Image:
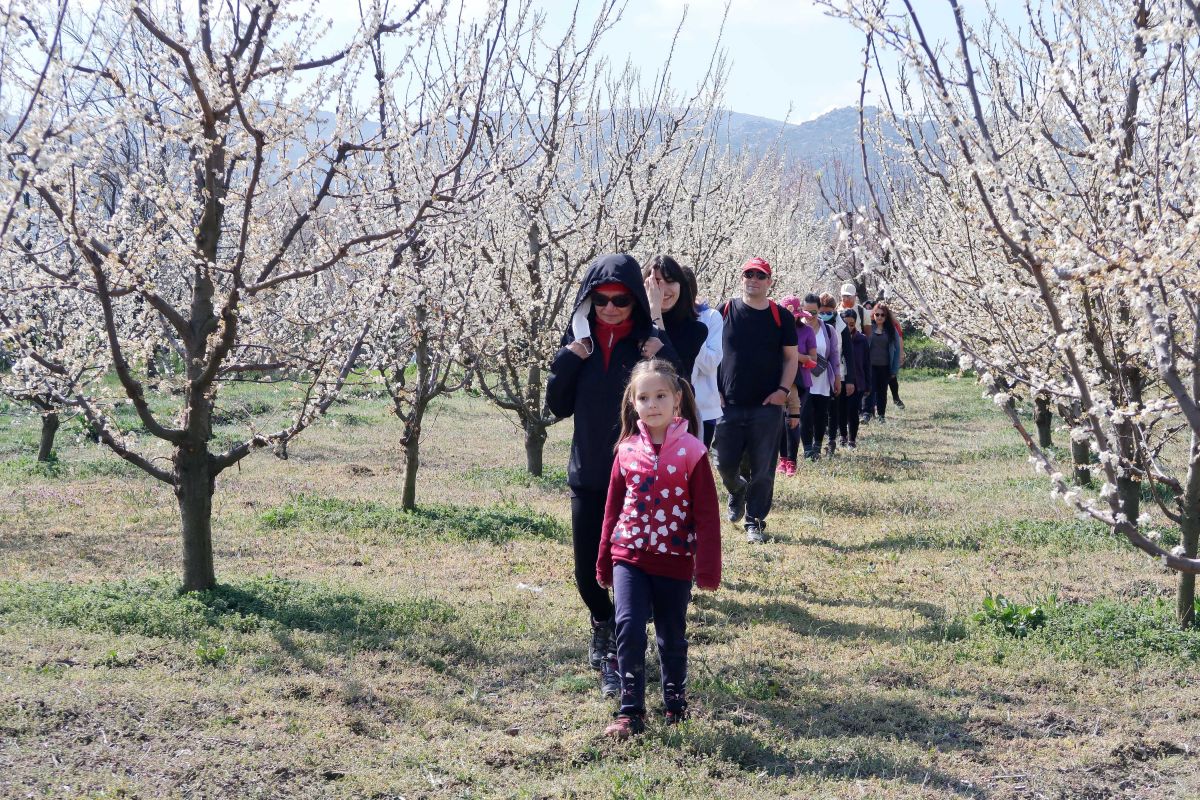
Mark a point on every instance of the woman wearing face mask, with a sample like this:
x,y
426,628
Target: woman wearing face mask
x,y
610,331
824,382
673,308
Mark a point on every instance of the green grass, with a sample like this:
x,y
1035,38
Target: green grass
x,y
156,608
101,463
497,524
1107,633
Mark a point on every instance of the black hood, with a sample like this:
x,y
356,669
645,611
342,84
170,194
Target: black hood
x,y
615,267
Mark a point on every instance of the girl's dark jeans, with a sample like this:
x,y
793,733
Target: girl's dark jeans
x,y
636,593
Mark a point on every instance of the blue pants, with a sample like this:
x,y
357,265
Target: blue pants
x,y
751,431
636,593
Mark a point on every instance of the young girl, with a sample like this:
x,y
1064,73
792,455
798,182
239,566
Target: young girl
x,y
662,527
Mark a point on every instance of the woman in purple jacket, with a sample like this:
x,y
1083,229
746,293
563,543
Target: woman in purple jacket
x,y
806,346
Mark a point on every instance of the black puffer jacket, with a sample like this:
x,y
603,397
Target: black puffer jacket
x,y
584,388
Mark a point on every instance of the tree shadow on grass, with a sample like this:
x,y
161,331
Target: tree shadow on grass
x,y
896,542
935,628
306,619
857,507
837,739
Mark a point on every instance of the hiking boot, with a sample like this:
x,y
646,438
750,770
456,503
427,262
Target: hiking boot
x,y
625,726
610,677
736,507
756,531
672,717
603,643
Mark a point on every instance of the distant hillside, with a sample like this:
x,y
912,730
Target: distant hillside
x,y
833,135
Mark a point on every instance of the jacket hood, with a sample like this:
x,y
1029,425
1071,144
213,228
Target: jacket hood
x,y
618,267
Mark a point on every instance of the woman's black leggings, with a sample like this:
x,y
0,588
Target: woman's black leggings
x,y
814,420
894,383
587,518
879,387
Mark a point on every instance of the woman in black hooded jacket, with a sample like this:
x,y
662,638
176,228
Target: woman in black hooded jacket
x,y
587,380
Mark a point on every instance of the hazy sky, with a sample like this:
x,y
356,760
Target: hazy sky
x,y
788,59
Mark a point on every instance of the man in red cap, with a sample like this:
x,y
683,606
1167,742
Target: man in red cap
x,y
758,368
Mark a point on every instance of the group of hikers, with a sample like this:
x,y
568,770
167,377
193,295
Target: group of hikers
x,y
654,377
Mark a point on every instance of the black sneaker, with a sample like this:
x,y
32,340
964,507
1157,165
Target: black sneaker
x,y
899,403
602,644
671,717
610,677
736,507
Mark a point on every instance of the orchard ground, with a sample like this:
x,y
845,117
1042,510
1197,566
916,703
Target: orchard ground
x,y
353,650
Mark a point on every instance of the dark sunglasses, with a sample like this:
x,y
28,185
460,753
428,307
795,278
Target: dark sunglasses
x,y
755,274
618,300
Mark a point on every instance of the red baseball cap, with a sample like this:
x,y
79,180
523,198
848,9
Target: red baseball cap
x,y
757,263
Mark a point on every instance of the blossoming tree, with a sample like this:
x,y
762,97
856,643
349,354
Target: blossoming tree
x,y
1049,232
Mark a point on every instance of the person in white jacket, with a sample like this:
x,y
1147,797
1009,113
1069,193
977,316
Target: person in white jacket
x,y
704,372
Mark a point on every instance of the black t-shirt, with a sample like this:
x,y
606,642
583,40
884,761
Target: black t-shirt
x,y
752,352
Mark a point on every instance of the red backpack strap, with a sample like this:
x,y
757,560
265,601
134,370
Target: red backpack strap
x,y
725,309
775,314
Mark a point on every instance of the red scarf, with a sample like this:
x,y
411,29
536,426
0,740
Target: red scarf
x,y
608,335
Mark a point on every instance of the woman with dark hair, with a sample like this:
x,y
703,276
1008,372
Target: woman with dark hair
x,y
677,310
884,344
610,331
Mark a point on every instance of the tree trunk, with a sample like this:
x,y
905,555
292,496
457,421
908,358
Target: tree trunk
x,y
194,484
535,428
1081,456
49,429
1189,529
412,462
535,443
1129,487
1044,419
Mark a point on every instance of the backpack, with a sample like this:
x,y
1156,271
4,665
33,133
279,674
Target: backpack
x,y
774,312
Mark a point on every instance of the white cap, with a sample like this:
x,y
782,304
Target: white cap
x,y
849,288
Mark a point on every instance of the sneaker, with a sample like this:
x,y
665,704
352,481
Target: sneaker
x,y
782,468
602,644
625,726
843,442
610,677
756,531
881,419
830,449
674,717
899,403
852,444
791,468
736,508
